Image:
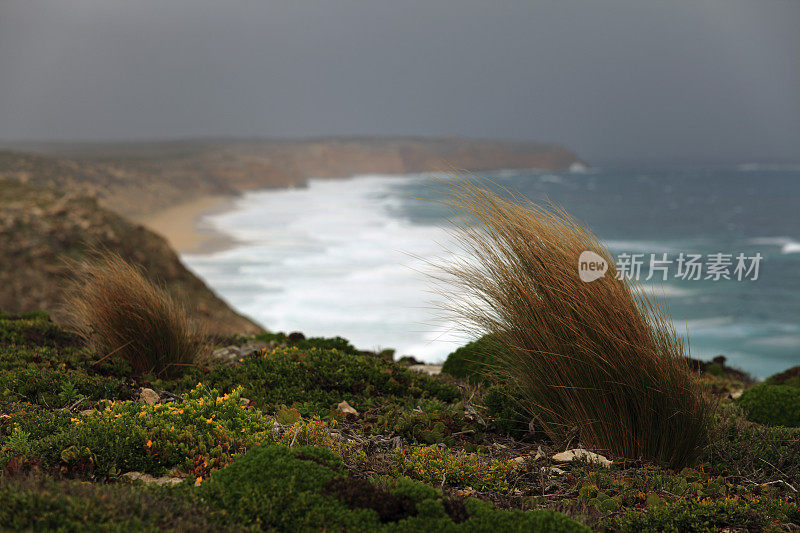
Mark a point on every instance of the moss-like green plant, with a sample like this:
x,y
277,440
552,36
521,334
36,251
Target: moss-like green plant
x,y
759,514
474,361
307,488
772,405
41,504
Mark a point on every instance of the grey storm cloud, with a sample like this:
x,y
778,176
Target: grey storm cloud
x,y
613,79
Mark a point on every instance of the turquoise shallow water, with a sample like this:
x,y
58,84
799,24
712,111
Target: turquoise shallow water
x,y
342,258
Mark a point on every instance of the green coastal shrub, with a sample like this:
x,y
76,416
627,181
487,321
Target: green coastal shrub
x,y
772,405
60,388
315,381
281,488
197,435
428,421
34,329
323,343
41,363
306,488
759,453
32,503
759,514
473,362
505,412
789,377
437,466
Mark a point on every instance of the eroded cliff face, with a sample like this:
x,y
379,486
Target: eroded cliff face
x,y
133,179
41,229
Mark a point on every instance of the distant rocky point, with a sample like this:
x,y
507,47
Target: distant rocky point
x,y
136,178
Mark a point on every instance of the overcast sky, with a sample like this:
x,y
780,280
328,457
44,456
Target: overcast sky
x,y
612,79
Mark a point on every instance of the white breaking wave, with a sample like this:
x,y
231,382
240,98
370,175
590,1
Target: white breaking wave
x,y
578,168
659,290
330,260
643,247
787,245
760,167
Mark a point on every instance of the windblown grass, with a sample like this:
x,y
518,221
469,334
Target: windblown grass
x,y
595,361
118,310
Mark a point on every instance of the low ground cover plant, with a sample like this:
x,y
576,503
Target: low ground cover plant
x,y
423,454
772,405
39,503
474,361
316,380
308,488
202,432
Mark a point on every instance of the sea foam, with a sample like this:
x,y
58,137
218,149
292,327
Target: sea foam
x,y
330,259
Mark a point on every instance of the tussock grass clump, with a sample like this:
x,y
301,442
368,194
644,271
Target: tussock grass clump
x,y
597,361
118,310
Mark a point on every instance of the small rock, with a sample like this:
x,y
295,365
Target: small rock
x,y
147,478
229,354
580,453
554,471
149,396
233,354
346,409
518,460
87,412
251,347
431,370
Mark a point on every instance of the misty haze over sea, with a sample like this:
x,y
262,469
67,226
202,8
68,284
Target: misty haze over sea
x,y
338,257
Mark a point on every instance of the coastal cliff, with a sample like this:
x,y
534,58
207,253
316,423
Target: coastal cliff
x,y
41,229
135,179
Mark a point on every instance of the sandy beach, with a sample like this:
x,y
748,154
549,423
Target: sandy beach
x,y
179,224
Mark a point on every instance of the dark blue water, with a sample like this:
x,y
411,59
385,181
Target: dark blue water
x,y
749,210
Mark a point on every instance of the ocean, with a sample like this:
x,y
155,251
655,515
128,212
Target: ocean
x,y
347,257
